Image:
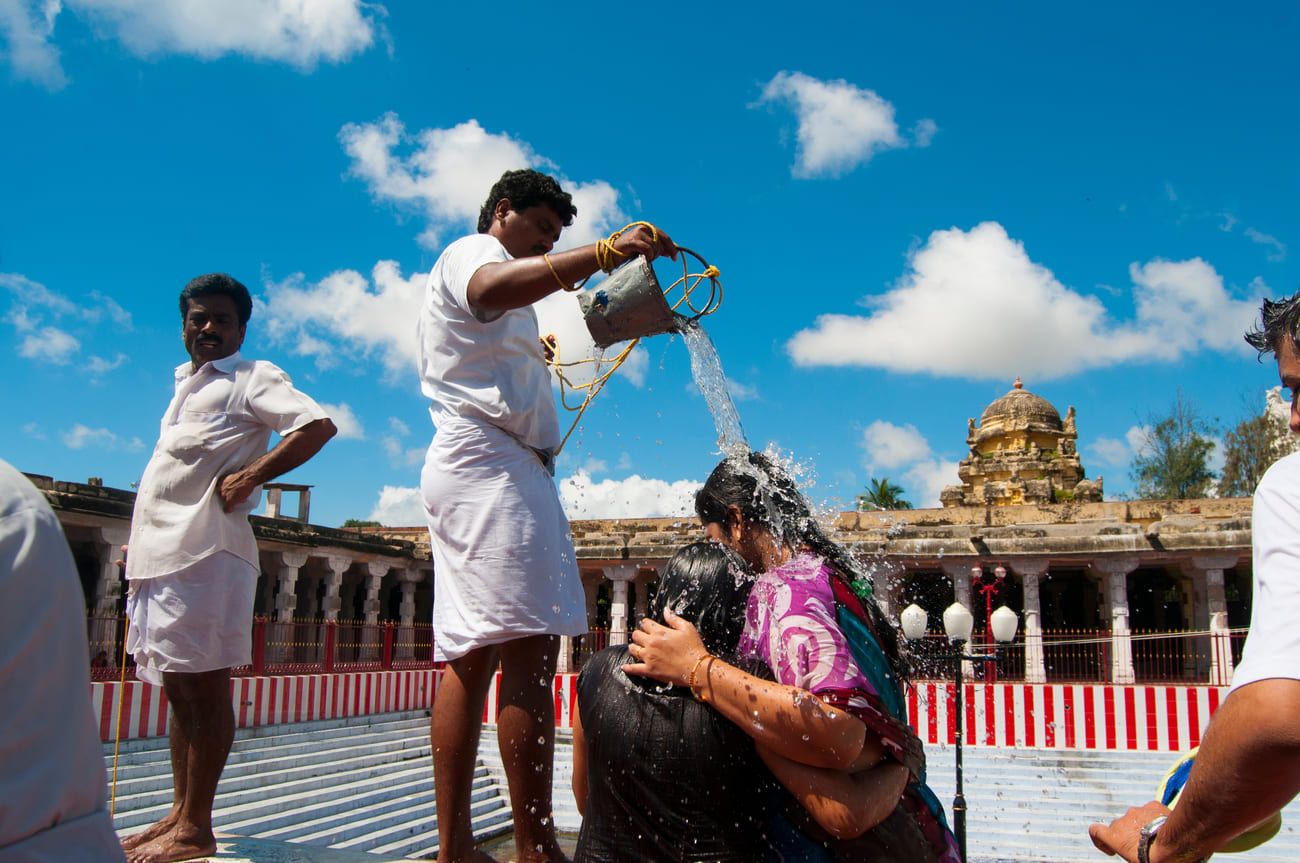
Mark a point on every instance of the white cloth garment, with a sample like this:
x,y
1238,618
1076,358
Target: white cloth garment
x,y
1273,645
219,420
503,559
198,619
53,791
483,366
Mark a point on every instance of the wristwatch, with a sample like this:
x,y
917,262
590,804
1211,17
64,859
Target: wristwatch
x,y
1146,836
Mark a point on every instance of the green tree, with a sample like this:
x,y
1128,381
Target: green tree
x,y
883,494
1174,460
361,522
1253,446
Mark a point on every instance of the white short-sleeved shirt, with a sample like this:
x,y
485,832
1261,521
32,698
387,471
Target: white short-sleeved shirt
x,y
478,366
1273,646
53,795
219,420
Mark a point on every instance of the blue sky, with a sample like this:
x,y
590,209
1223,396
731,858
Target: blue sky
x,y
909,209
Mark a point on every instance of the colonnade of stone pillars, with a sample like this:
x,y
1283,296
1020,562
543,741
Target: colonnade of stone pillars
x,y
619,575
1114,572
285,572
1031,572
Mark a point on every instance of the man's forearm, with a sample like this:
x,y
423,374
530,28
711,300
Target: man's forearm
x,y
292,451
523,281
1247,769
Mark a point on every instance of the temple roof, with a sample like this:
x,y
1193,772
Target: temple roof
x,y
1020,409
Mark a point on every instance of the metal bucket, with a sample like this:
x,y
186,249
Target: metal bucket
x,y
627,305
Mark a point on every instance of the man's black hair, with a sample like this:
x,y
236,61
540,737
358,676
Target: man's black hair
x,y
218,283
524,189
1279,319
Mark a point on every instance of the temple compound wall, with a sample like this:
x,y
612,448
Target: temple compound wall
x,y
1111,573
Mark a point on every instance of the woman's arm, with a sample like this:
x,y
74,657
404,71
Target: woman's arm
x,y
579,763
789,721
846,805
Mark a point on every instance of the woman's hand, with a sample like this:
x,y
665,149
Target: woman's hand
x,y
665,653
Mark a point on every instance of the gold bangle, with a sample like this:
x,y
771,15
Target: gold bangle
x,y
558,280
690,678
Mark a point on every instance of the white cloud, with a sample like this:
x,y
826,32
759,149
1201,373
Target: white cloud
x,y
398,427
841,126
964,288
448,173
33,304
99,366
1276,248
398,506
26,28
1110,451
81,436
887,446
926,479
634,497
34,431
49,344
345,316
1137,438
345,420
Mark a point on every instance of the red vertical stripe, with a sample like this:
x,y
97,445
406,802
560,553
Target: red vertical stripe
x,y
124,714
1214,700
1030,736
1193,717
990,717
259,699
1049,717
1153,725
1108,698
969,705
1130,718
1067,716
1090,717
106,711
912,717
1171,706
146,698
272,683
932,713
1009,713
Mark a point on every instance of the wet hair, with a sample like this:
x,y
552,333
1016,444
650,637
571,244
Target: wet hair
x,y
218,283
1279,319
767,497
524,189
708,585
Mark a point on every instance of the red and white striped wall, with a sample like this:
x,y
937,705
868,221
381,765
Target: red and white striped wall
x,y
1064,716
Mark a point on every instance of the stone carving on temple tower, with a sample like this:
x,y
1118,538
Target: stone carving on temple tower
x,y
1021,452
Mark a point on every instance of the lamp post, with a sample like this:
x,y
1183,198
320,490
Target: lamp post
x,y
957,625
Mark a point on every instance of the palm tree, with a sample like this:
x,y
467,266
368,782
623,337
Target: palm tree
x,y
883,494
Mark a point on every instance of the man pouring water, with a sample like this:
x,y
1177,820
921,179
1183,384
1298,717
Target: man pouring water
x,y
506,582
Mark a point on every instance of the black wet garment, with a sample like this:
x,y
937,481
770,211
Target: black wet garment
x,y
668,777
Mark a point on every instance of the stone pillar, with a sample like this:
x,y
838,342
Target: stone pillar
x,y
1114,572
405,648
273,502
619,574
105,630
286,602
333,582
372,637
1031,570
1221,666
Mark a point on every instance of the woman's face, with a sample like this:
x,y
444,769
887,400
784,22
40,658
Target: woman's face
x,y
751,542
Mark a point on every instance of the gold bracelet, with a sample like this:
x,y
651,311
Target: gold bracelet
x,y
690,678
558,280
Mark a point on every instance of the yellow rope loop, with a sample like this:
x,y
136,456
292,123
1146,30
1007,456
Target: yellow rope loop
x,y
690,282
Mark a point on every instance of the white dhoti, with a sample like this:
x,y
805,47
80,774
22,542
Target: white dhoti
x,y
198,619
503,559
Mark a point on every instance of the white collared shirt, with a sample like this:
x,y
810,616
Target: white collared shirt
x,y
479,366
219,420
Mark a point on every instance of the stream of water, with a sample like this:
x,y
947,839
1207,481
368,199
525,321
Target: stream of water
x,y
707,370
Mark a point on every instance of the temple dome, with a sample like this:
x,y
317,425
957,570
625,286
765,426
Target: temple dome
x,y
1019,410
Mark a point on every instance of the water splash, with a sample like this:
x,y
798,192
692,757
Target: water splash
x,y
707,370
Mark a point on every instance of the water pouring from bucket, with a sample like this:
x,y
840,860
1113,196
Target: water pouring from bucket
x,y
630,305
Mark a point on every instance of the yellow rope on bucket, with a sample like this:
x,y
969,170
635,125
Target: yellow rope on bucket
x,y
689,283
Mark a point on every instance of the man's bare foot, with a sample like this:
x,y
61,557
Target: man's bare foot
x,y
150,833
180,844
475,856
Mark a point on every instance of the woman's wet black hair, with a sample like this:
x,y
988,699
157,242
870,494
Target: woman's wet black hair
x,y
708,585
767,496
